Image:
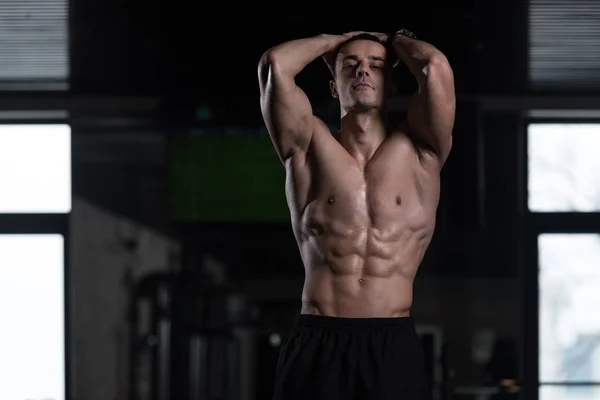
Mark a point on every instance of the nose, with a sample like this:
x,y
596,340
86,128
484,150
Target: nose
x,y
362,70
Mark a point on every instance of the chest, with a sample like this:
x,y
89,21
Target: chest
x,y
378,196
333,189
348,201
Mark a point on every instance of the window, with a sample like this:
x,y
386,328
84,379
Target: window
x,y
34,42
569,278
32,308
563,197
35,169
564,167
563,45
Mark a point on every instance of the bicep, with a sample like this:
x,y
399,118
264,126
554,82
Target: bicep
x,y
431,111
286,111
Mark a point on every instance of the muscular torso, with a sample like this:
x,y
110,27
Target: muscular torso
x,y
362,230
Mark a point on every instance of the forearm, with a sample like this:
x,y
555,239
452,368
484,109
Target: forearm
x,y
431,109
418,56
293,56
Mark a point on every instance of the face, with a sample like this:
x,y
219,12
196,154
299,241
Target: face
x,y
363,77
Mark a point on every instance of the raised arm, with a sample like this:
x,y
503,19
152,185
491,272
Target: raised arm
x,y
285,108
431,110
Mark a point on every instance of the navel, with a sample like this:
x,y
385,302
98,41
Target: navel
x,y
398,200
361,281
331,200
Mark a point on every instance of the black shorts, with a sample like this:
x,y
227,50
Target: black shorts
x,y
351,359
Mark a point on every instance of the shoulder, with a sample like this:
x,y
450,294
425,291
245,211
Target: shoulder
x,y
423,157
320,126
321,132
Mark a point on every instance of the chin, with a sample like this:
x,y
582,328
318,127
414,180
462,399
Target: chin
x,y
363,104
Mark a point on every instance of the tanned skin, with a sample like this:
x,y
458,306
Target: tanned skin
x,y
363,200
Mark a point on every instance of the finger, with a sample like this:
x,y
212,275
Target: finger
x,y
354,33
378,34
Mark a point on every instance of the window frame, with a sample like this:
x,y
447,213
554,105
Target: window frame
x,y
40,223
533,224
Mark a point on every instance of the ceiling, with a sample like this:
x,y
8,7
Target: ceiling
x,y
190,58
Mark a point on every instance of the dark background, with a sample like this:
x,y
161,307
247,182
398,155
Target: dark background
x,y
163,103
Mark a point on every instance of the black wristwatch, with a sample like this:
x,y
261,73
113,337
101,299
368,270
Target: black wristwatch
x,y
405,32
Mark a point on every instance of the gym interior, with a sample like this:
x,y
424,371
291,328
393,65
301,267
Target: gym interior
x,y
146,251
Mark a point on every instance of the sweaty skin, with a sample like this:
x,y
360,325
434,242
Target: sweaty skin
x,y
362,231
363,200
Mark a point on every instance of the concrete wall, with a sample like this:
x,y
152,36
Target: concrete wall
x,y
101,265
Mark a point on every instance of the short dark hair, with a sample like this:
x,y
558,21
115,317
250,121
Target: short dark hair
x,y
365,36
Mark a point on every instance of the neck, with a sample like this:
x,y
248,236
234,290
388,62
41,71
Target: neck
x,y
362,132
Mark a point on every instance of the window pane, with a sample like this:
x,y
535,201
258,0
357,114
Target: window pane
x,y
34,41
562,45
569,283
564,167
569,392
35,168
32,363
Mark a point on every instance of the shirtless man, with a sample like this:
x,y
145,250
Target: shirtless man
x,y
363,205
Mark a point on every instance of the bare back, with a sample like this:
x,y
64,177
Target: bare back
x,y
362,232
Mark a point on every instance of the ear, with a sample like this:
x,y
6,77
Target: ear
x,y
333,88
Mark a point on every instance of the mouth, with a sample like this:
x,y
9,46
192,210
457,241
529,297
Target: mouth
x,y
362,85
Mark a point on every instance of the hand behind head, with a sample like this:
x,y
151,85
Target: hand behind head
x,y
330,56
329,59
381,36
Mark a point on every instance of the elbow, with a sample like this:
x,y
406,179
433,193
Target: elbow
x,y
437,77
265,62
439,59
435,64
438,67
271,69
430,66
266,59
269,59
273,62
265,67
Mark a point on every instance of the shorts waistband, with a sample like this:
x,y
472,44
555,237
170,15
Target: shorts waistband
x,y
326,322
